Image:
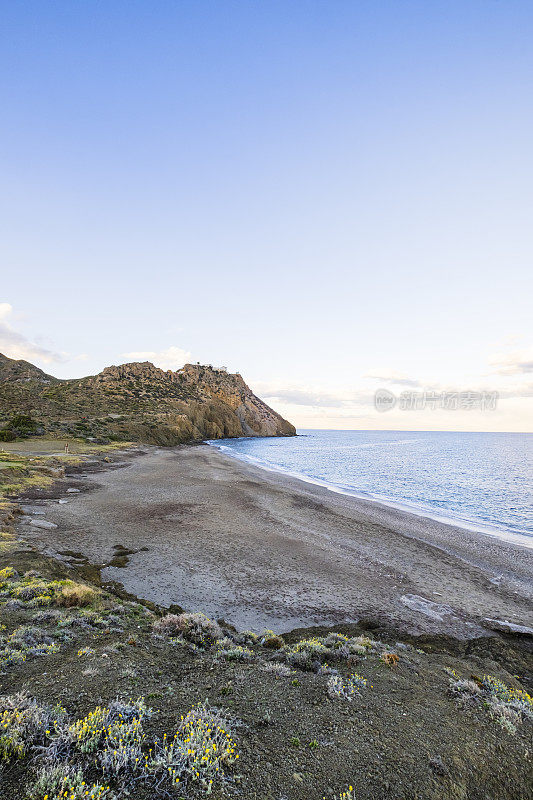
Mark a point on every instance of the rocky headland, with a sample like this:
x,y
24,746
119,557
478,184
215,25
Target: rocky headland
x,y
138,402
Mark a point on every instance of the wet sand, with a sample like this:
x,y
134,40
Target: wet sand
x,y
262,549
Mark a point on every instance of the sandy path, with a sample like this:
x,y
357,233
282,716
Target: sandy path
x,y
266,550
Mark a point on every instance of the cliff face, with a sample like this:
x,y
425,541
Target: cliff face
x,y
139,401
255,417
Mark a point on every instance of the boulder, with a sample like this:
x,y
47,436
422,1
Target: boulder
x,y
43,523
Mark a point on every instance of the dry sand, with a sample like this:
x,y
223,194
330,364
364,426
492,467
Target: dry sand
x,y
261,549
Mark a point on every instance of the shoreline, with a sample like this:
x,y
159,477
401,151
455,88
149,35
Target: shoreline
x,y
209,532
522,539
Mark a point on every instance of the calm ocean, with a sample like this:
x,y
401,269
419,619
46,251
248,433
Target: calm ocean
x,y
477,480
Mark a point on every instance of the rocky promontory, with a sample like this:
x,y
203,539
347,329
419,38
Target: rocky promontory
x,y
139,401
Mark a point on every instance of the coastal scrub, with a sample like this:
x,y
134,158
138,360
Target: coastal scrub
x,y
508,706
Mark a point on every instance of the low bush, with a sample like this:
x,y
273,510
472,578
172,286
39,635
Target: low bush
x,y
122,753
22,722
195,628
310,654
233,652
76,594
506,705
6,574
28,636
63,781
246,637
390,659
24,642
345,688
277,668
506,716
200,750
35,591
467,690
271,640
169,625
104,723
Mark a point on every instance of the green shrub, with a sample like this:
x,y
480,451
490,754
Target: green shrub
x,y
104,723
64,781
195,628
273,642
200,750
308,654
234,652
345,688
20,425
506,705
76,594
22,720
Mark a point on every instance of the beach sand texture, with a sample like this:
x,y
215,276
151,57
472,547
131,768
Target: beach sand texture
x,y
265,550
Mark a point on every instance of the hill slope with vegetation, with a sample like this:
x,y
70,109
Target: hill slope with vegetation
x,y
136,401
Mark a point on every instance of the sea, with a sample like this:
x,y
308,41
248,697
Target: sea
x,y
479,481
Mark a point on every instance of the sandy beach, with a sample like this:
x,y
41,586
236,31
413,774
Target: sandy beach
x,y
193,527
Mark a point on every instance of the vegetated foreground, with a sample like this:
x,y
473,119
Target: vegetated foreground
x,y
103,697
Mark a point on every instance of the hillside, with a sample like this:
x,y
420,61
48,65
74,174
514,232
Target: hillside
x,y
138,401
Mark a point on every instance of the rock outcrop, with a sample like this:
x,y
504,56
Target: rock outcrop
x,y
140,402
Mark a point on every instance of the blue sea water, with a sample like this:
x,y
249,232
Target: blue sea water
x,y
482,481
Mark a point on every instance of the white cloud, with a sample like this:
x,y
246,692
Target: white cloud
x,y
393,377
517,391
517,362
301,397
311,397
171,358
15,345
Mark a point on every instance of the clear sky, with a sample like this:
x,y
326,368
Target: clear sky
x,y
330,197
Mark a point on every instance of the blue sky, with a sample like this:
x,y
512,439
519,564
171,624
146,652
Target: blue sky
x,y
330,197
